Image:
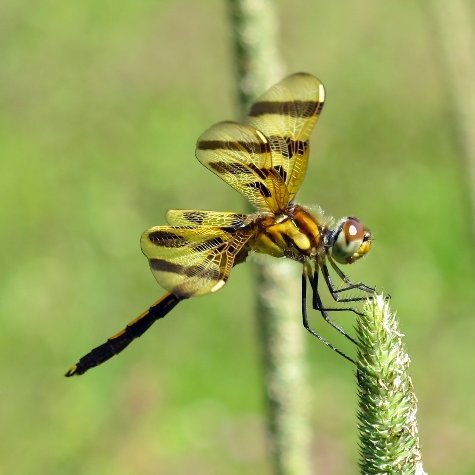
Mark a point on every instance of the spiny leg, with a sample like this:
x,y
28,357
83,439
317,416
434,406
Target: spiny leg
x,y
335,292
307,325
318,305
336,297
118,342
350,285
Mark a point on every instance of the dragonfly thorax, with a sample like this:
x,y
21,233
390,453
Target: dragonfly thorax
x,y
295,234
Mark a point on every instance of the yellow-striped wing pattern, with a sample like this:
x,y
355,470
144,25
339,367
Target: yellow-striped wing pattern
x,y
242,157
266,160
286,114
193,261
198,218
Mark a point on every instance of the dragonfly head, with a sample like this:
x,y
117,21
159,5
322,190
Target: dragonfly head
x,y
349,241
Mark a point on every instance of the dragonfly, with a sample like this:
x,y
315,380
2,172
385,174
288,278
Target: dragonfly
x,y
265,160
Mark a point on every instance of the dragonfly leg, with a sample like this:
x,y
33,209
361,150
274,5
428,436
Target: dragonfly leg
x,y
350,285
307,325
318,305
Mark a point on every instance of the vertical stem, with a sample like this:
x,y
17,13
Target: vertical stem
x,y
258,66
454,33
282,334
389,441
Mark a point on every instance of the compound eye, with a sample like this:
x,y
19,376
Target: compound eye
x,y
351,242
353,230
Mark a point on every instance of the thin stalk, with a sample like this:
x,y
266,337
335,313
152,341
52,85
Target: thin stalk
x,y
258,66
454,40
389,441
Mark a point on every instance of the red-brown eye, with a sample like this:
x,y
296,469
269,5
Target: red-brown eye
x,y
351,241
353,230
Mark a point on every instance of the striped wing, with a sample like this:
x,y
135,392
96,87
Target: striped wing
x,y
286,114
242,157
198,218
193,261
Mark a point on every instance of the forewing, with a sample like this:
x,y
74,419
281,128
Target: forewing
x,y
199,218
189,262
242,157
286,114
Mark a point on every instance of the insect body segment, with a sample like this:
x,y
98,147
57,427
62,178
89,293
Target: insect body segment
x,y
118,342
294,234
265,160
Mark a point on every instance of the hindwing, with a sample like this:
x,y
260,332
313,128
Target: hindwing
x,y
193,261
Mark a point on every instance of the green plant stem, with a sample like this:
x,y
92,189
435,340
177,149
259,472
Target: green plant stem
x,y
258,66
389,442
454,39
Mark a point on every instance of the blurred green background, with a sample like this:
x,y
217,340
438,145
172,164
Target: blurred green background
x,y
100,107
